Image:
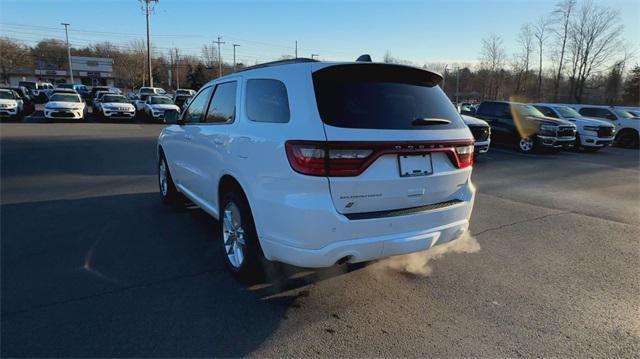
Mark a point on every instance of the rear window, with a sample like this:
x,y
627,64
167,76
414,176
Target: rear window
x,y
267,101
377,96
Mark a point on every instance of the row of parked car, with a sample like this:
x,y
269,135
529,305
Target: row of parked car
x,y
551,125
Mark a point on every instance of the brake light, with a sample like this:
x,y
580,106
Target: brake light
x,y
325,158
465,156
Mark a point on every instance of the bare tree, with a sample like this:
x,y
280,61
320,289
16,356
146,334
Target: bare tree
x,y
12,56
595,40
540,33
525,43
561,18
492,58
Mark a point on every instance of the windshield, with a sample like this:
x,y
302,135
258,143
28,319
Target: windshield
x,y
4,95
161,101
623,113
382,97
567,112
64,98
65,86
528,110
146,90
114,99
183,92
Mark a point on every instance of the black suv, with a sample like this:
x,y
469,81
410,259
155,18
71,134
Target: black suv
x,y
523,125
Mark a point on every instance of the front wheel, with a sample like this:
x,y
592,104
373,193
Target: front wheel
x,y
526,145
240,247
627,139
168,191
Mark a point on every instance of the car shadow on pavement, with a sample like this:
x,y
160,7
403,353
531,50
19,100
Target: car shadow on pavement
x,y
124,275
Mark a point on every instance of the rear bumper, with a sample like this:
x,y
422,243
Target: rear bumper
x,y
312,234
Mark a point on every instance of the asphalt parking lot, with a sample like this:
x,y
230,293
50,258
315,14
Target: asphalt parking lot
x,y
94,265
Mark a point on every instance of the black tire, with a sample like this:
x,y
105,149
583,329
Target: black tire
x,y
627,139
531,148
169,194
252,267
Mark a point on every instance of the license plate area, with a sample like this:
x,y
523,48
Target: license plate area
x,y
415,165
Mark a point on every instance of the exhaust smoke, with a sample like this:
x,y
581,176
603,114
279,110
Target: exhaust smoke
x,y
418,263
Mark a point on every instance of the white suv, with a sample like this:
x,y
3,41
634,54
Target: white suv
x,y
313,163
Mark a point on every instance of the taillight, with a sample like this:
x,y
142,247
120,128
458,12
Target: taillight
x,y
465,156
322,158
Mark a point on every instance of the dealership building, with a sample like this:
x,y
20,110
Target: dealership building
x,y
91,71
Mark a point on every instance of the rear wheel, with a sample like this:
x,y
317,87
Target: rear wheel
x,y
526,145
240,247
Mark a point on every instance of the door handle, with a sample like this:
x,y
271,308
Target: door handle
x,y
188,137
218,141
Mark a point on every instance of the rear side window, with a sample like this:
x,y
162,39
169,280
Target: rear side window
x,y
195,112
267,101
381,96
223,104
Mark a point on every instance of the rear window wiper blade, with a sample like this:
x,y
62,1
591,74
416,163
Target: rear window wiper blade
x,y
430,121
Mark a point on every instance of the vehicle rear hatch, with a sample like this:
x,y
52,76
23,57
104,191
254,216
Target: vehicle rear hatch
x,y
394,140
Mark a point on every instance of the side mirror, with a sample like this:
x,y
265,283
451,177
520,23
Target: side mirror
x,y
171,117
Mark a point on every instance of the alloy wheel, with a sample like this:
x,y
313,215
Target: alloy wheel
x,y
233,235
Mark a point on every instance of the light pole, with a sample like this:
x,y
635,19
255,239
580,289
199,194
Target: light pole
x,y
66,34
219,55
234,56
147,11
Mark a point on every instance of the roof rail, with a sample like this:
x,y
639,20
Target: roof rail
x,y
278,63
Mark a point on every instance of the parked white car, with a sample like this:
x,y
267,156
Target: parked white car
x,y
10,104
155,106
65,105
481,133
313,163
116,107
592,134
627,126
185,92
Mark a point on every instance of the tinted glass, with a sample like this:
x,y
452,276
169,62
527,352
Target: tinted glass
x,y
6,95
65,86
381,96
267,101
65,98
567,112
223,104
147,90
623,113
486,109
195,111
161,101
546,111
114,99
528,110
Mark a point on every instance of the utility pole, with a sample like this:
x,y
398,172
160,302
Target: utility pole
x,y
444,78
66,33
296,49
177,70
234,56
219,54
147,11
313,56
457,84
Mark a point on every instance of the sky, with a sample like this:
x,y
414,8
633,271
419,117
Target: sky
x,y
416,31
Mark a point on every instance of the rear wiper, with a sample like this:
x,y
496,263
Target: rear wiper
x,y
430,121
